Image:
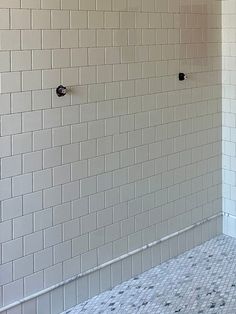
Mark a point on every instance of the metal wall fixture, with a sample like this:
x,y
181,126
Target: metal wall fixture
x,y
61,91
182,76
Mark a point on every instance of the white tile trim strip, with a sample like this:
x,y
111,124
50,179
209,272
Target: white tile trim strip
x,y
122,257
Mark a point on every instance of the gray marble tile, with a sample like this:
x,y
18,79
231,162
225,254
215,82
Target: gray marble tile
x,y
201,281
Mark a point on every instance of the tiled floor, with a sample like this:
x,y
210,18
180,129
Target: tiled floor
x,y
202,280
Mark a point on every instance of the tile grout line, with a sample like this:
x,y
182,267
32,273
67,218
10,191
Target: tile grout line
x,y
97,268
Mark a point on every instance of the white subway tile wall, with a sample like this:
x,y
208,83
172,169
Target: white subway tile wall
x,y
229,122
129,156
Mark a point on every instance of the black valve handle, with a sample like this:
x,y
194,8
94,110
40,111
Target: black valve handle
x,y
61,91
182,76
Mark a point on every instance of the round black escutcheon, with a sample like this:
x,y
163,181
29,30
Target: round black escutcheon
x,y
61,91
182,76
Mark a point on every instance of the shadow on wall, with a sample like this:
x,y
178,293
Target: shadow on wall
x,y
195,37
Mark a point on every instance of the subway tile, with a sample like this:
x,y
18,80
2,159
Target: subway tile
x,y
5,61
22,143
57,300
50,78
21,102
62,252
12,250
22,184
90,176
6,231
43,219
12,208
5,19
60,19
50,4
51,39
11,4
53,274
20,18
41,19
41,59
71,4
69,38
10,40
30,4
11,124
23,267
13,291
6,271
11,166
78,19
31,39
60,58
10,82
31,80
33,283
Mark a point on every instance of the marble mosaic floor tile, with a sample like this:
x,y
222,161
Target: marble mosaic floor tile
x,y
201,281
